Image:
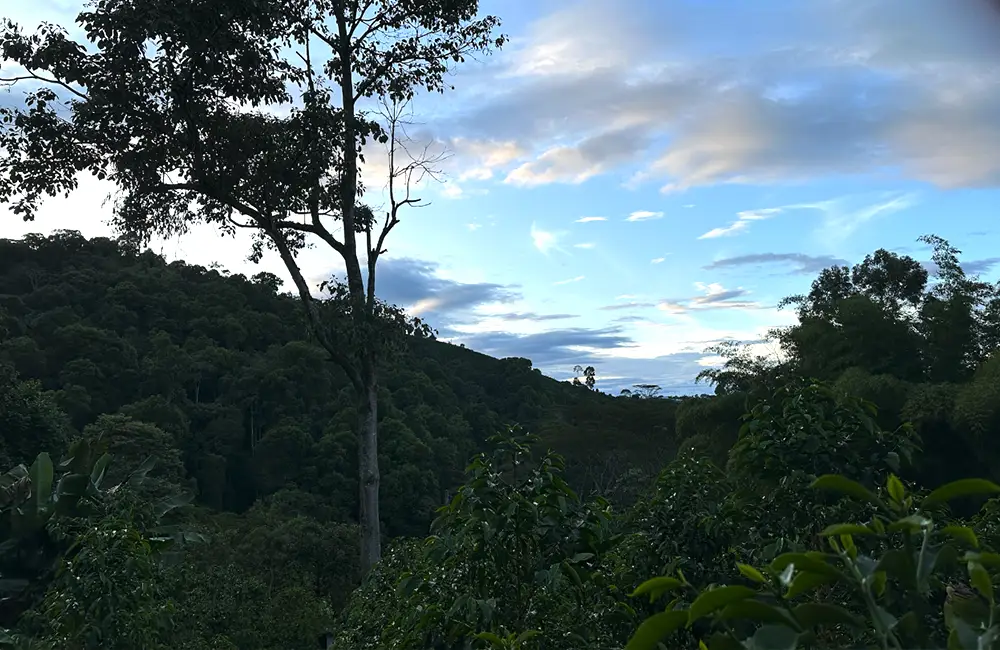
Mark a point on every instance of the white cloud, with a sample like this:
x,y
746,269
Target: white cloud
x,y
543,240
586,245
799,91
843,216
477,159
643,215
657,260
590,219
591,156
570,280
743,221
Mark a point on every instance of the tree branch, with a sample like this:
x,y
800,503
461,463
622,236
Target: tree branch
x,y
38,77
309,303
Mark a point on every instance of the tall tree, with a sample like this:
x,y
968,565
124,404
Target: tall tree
x,y
242,114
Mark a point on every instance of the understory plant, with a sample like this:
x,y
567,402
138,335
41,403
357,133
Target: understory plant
x,y
913,578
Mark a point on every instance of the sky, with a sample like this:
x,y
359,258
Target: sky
x,y
629,182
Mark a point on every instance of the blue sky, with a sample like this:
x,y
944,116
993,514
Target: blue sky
x,y
631,181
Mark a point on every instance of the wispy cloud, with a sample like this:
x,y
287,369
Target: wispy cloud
x,y
643,215
584,245
743,221
657,260
802,263
544,240
570,280
714,296
843,216
590,219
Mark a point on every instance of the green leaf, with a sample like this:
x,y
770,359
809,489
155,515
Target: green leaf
x,y
910,523
494,640
774,637
812,562
813,614
805,582
962,533
100,468
751,609
844,485
751,573
656,587
656,628
846,529
966,487
980,579
40,475
580,557
895,488
714,599
984,558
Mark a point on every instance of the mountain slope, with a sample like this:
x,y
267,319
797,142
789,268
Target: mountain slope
x,y
224,365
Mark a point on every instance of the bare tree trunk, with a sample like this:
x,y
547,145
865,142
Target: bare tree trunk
x,y
368,473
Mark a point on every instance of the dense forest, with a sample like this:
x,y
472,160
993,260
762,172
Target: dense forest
x,y
232,523
199,461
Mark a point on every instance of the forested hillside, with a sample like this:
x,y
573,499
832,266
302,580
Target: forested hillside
x,y
206,391
224,366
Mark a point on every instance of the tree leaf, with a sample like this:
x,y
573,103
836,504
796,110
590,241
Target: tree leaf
x,y
774,637
980,579
41,482
714,599
966,487
656,587
962,533
895,488
751,573
656,628
846,529
806,581
751,609
844,485
813,614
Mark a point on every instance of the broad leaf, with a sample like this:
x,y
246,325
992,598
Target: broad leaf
x,y
966,487
714,599
656,628
844,485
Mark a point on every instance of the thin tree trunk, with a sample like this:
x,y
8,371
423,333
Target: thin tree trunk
x,y
368,473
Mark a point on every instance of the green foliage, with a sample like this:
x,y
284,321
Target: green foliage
x,y
516,549
108,590
29,419
896,566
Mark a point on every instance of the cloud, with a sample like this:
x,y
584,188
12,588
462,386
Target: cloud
x,y
980,267
584,245
628,305
801,263
590,219
575,164
715,297
741,224
845,215
745,95
415,285
657,260
548,348
570,280
972,267
532,316
544,240
644,215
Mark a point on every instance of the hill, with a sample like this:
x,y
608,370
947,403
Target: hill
x,y
224,365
